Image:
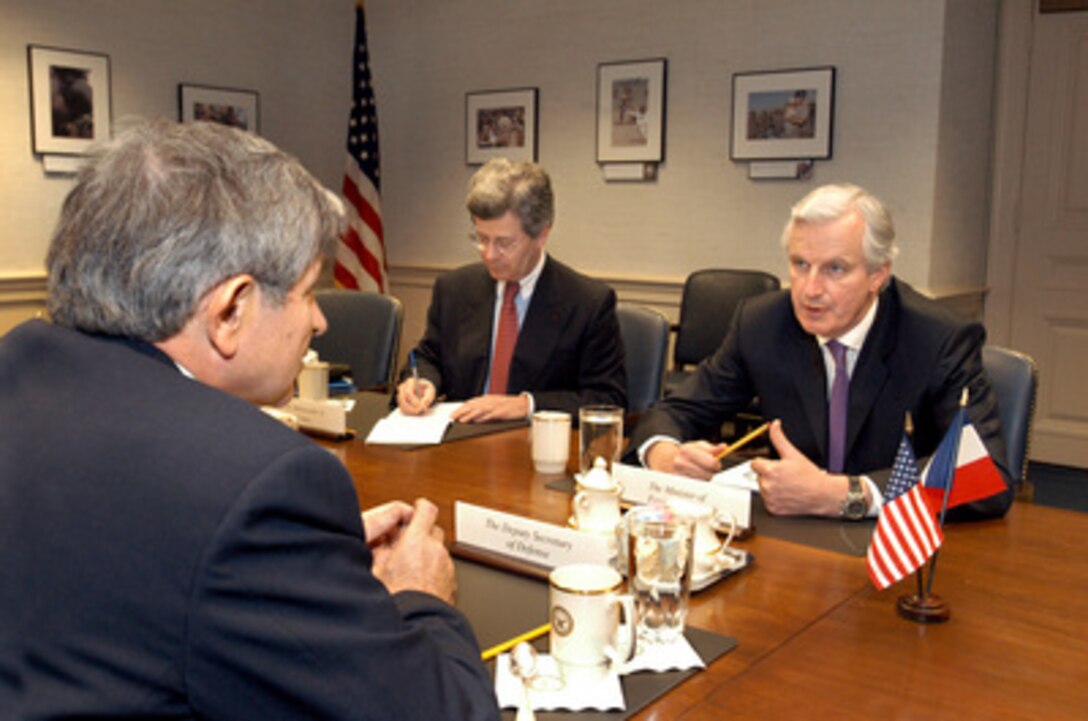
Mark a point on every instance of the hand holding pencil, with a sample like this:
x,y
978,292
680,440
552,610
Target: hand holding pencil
x,y
748,438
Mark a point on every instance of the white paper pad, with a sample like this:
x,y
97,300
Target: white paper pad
x,y
401,429
660,657
604,695
741,476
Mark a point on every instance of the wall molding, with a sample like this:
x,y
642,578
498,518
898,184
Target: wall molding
x,y
22,296
663,293
22,288
412,285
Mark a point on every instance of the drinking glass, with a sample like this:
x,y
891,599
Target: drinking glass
x,y
600,435
659,570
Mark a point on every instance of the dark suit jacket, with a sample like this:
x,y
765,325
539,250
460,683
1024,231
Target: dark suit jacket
x,y
917,357
167,550
568,353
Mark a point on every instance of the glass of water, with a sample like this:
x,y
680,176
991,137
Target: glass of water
x,y
600,434
659,569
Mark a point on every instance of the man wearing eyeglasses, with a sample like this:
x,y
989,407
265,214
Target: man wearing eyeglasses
x,y
518,331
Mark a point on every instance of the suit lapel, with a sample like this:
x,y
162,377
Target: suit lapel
x,y
871,371
806,369
540,332
475,327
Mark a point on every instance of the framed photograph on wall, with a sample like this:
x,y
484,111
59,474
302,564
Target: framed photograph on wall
x,y
227,106
500,123
783,115
631,111
69,99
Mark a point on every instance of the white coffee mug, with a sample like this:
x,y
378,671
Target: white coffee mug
x,y
313,381
550,438
593,622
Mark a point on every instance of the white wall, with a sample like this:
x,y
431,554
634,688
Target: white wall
x,y
912,116
961,191
702,211
295,53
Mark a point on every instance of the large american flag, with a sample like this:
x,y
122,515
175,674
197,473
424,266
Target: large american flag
x,y
360,256
906,533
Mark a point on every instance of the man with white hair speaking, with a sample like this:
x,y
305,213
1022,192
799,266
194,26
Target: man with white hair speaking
x,y
837,360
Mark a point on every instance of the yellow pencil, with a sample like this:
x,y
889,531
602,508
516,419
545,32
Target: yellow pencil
x,y
744,441
507,645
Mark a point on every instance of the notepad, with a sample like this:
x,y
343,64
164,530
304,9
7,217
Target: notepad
x,y
739,476
400,429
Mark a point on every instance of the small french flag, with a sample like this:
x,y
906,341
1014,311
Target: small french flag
x,y
975,476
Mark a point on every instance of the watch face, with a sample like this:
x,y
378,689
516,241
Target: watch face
x,y
855,508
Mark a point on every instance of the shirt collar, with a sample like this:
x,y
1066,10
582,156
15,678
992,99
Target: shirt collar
x,y
854,338
528,283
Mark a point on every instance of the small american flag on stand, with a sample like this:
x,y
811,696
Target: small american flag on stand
x,y
906,533
360,256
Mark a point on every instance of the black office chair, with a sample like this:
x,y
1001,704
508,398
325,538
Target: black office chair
x,y
363,333
1014,378
645,334
706,308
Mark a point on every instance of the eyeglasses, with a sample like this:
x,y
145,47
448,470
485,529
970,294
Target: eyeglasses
x,y
501,244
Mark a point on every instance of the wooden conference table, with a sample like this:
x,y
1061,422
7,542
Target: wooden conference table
x,y
816,640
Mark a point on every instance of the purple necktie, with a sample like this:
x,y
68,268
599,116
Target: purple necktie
x,y
836,411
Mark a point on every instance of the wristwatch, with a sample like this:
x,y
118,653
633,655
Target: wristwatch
x,y
854,506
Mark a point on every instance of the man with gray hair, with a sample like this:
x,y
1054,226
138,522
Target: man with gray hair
x,y
168,550
519,331
837,360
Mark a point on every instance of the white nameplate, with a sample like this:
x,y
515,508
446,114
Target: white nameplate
x,y
641,485
326,416
544,544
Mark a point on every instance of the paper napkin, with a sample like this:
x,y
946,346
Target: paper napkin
x,y
659,657
601,694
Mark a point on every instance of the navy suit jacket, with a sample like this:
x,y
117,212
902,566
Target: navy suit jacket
x,y
917,357
569,352
169,551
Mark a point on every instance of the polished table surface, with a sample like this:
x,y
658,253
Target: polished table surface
x,y
816,640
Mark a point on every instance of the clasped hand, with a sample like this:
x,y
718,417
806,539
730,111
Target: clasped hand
x,y
407,545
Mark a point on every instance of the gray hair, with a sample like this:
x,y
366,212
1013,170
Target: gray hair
x,y
164,212
831,202
524,188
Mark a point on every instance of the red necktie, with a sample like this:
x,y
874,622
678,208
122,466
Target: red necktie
x,y
505,340
836,426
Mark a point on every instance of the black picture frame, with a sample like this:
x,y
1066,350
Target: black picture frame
x,y
226,106
70,99
783,114
501,123
631,100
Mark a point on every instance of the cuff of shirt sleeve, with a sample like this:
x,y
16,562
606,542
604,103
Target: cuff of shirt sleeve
x,y
876,500
645,447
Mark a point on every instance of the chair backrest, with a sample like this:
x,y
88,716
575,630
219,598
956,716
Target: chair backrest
x,y
364,332
1014,378
645,334
706,308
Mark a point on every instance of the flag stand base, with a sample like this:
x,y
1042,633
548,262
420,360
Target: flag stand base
x,y
923,609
